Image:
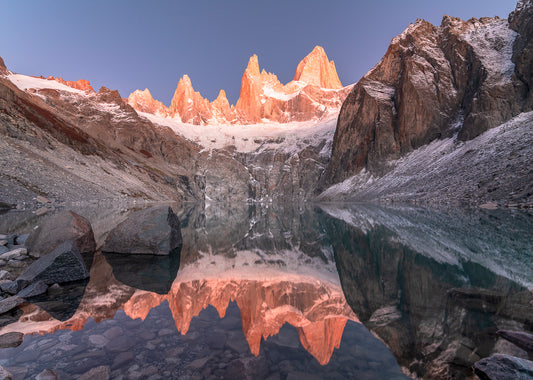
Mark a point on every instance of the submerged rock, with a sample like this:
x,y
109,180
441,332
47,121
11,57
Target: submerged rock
x,y
12,339
503,367
62,227
63,264
5,374
154,231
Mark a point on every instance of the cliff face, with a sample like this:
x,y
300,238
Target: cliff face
x,y
461,78
315,92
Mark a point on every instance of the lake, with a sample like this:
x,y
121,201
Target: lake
x,y
288,291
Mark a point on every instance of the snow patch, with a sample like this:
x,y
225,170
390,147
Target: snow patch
x,y
25,82
493,44
287,137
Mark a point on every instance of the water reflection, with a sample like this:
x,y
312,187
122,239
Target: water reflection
x,y
429,284
258,292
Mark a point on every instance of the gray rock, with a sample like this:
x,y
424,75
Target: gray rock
x,y
63,264
3,237
16,263
47,374
4,275
3,242
59,228
13,287
97,373
519,338
5,374
10,303
21,239
35,289
503,367
14,253
12,339
3,249
42,199
154,231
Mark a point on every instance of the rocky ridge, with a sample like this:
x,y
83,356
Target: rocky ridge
x,y
315,92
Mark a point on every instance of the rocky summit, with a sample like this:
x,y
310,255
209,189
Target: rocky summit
x,y
314,92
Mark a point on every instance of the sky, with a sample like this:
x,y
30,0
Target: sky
x,y
129,45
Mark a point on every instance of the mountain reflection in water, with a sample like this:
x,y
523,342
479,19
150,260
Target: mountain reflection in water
x,y
258,292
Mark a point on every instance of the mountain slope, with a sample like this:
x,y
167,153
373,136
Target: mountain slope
x,y
461,78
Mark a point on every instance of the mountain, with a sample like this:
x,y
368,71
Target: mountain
x,y
456,80
314,93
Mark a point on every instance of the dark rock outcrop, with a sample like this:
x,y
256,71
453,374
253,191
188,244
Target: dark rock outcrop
x,y
504,367
434,82
154,231
62,227
64,264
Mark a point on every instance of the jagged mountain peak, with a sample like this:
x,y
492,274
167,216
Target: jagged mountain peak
x,y
316,69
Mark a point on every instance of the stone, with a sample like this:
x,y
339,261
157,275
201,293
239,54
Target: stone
x,y
120,344
21,239
14,263
4,275
3,249
58,229
503,367
10,303
42,199
98,340
123,358
153,231
13,287
41,211
64,264
12,339
32,290
521,339
113,332
3,242
5,374
97,373
13,254
47,374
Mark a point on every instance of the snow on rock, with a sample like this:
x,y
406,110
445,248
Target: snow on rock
x,y
25,82
493,44
449,171
285,137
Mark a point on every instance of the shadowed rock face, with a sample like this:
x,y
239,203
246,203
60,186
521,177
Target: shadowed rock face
x,y
434,82
438,315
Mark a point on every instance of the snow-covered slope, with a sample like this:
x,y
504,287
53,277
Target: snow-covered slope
x,y
283,137
494,167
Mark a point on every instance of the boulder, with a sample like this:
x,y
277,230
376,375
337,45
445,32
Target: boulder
x,y
153,231
21,239
35,289
58,229
503,367
14,253
64,264
12,339
10,303
521,339
13,287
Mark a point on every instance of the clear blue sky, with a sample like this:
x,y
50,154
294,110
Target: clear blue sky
x,y
128,45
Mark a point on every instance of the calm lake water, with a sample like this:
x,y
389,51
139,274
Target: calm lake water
x,y
288,292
